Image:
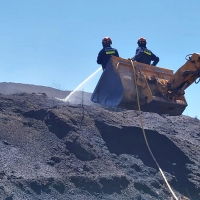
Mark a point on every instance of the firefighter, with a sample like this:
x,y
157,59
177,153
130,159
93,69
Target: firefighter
x,y
105,53
143,54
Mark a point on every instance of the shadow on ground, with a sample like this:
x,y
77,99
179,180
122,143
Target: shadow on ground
x,y
130,140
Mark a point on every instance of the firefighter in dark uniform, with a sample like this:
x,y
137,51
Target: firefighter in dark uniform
x,y
143,54
105,53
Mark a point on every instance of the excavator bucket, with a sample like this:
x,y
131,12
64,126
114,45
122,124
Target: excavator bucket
x,y
118,82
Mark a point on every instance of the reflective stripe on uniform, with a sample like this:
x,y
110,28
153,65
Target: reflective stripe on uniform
x,y
147,52
110,52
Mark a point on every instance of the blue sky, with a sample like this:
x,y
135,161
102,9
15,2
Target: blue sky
x,y
55,42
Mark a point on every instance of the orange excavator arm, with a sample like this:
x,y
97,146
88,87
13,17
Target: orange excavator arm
x,y
185,75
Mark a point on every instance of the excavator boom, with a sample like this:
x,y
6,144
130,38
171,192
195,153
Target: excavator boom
x,y
187,74
159,90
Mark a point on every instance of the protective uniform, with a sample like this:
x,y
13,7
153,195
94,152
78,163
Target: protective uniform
x,y
144,55
105,53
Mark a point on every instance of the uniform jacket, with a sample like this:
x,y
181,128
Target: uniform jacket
x,y
144,55
105,54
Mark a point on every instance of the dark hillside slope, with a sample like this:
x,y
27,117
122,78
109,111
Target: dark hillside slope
x,y
53,150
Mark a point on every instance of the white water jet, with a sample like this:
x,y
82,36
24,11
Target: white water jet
x,y
71,93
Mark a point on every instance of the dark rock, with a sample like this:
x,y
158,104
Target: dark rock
x,y
56,150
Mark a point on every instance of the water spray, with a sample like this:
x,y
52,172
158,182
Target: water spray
x,y
67,98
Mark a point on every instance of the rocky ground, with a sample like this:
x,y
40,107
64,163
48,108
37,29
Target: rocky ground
x,y
54,150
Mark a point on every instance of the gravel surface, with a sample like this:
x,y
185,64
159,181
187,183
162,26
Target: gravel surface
x,y
55,150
